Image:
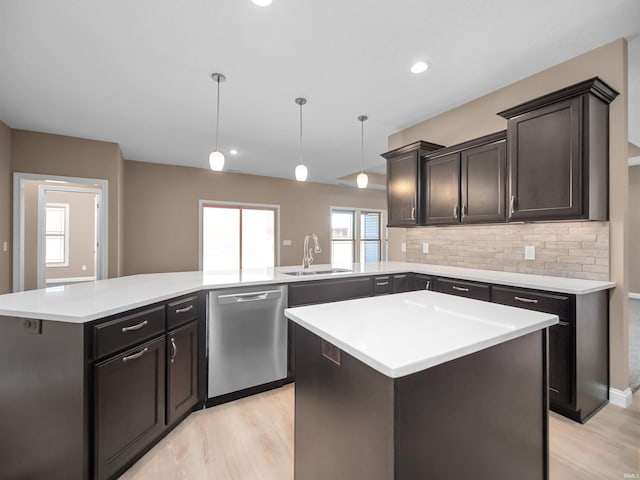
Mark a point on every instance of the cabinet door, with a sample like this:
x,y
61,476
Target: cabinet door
x,y
402,190
402,282
545,162
129,405
442,202
421,282
182,371
483,176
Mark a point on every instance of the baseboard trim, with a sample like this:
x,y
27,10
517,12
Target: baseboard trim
x,y
621,398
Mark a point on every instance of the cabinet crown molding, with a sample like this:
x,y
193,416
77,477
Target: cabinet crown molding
x,y
425,147
594,86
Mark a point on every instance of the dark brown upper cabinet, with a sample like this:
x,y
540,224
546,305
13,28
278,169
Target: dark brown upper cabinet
x,y
558,155
404,189
442,199
465,183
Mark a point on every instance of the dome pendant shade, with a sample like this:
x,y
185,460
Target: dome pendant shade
x,y
301,173
362,180
216,161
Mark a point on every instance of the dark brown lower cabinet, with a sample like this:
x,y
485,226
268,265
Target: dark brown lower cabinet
x,y
182,371
129,399
578,347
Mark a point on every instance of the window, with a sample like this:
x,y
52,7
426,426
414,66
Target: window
x,y
238,236
57,234
356,236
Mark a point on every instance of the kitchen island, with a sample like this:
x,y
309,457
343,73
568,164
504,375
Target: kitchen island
x,y
420,385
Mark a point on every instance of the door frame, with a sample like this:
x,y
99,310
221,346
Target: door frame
x,y
19,179
41,230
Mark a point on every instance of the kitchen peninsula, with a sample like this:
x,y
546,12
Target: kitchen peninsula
x,y
63,351
420,385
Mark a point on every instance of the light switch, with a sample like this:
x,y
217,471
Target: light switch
x,y
530,252
84,268
286,243
403,247
425,248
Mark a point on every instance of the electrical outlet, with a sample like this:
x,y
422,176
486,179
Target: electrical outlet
x,y
403,247
84,268
530,252
4,246
425,248
32,325
286,243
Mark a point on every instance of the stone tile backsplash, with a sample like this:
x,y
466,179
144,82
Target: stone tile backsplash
x,y
567,249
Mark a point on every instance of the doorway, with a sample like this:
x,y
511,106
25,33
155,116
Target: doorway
x,y
60,230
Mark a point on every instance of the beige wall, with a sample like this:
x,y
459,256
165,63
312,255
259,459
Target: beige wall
x,y
478,117
161,217
634,229
5,208
42,153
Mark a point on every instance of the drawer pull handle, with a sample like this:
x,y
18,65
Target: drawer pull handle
x,y
382,284
460,289
184,309
399,276
174,350
526,300
563,324
135,327
135,355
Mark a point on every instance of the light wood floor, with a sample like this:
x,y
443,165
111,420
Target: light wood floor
x,y
252,439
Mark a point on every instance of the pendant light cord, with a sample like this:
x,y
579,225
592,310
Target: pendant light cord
x,y
362,144
217,113
300,133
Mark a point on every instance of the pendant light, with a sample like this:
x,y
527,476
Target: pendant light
x,y
362,180
216,158
301,170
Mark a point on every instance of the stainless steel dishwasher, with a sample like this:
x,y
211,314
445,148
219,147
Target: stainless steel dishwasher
x,y
247,338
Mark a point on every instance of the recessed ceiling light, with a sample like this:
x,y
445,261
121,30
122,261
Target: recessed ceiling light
x,y
419,67
262,3
233,151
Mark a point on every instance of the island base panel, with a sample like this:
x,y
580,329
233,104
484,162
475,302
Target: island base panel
x,y
343,416
483,415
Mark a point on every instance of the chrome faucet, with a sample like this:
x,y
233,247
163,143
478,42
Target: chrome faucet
x,y
307,258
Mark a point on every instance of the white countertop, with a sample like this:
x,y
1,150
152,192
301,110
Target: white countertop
x,y
84,302
401,334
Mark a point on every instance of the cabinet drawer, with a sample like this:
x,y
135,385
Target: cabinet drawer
x,y
182,311
532,300
402,282
320,291
463,288
125,331
382,285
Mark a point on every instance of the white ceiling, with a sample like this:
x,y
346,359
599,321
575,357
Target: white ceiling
x,y
137,72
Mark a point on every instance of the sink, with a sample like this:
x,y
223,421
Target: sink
x,y
298,273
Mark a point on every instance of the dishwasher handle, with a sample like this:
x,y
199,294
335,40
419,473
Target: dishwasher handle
x,y
249,297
